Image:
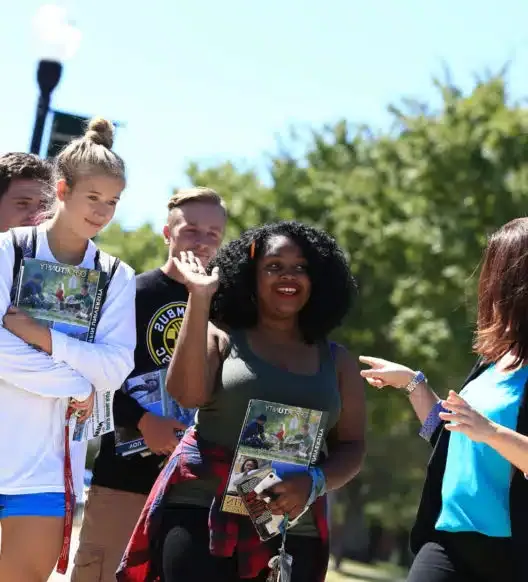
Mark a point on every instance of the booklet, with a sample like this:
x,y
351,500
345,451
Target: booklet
x,y
61,297
149,390
68,299
275,440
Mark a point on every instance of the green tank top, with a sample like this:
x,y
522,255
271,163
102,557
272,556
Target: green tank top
x,y
244,376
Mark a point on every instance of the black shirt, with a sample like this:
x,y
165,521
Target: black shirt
x,y
160,307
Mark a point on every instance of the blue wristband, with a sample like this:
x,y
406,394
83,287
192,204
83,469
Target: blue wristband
x,y
432,421
318,484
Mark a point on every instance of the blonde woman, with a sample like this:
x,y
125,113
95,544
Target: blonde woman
x,y
42,369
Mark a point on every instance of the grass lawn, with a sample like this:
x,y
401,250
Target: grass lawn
x,y
357,572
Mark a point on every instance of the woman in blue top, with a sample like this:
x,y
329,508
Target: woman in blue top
x,y
470,524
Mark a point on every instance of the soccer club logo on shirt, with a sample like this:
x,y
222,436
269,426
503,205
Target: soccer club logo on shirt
x,y
163,330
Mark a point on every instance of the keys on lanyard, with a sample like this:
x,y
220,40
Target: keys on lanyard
x,y
281,564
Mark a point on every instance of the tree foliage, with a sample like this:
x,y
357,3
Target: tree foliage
x,y
412,208
143,249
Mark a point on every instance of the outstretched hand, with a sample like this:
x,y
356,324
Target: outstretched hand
x,y
384,373
195,277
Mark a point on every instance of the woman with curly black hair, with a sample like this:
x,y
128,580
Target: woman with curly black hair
x,y
274,294
332,288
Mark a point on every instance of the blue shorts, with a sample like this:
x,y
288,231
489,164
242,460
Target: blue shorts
x,y
32,504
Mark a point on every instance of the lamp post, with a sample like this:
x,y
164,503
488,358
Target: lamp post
x,y
58,39
48,76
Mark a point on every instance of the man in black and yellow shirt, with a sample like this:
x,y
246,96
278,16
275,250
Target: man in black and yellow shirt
x,y
120,485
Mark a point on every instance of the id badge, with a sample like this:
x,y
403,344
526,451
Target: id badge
x,y
281,567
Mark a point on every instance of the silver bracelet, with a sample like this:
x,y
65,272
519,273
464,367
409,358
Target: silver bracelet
x,y
411,386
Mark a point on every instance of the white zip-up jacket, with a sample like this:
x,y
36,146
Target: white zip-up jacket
x,y
35,387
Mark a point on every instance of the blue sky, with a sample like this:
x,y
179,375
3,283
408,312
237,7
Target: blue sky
x,y
214,80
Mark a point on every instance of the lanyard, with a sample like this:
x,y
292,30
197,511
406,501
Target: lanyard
x,y
281,565
69,499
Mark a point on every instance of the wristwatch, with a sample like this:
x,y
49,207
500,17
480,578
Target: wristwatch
x,y
419,377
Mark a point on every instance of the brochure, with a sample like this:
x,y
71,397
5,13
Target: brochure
x,y
68,299
149,390
275,440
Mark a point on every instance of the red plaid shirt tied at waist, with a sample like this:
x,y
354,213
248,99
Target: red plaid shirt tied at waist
x,y
195,459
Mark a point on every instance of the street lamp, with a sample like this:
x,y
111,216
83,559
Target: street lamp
x,y
58,39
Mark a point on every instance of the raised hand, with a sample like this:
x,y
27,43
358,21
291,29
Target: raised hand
x,y
195,277
384,373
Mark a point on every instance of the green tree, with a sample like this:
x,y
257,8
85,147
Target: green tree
x,y
143,249
412,208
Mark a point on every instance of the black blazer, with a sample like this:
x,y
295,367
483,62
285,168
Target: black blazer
x,y
431,500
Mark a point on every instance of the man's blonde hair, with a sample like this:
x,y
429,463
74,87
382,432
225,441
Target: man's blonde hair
x,y
195,194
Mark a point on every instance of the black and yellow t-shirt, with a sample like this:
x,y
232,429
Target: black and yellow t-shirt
x,y
160,307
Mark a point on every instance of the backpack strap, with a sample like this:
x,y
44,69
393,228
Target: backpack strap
x,y
107,264
25,247
333,346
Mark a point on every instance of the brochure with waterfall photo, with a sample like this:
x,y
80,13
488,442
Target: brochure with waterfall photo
x,y
149,391
275,440
68,299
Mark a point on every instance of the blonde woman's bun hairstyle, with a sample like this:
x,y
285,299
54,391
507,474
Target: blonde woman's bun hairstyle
x,y
90,154
100,131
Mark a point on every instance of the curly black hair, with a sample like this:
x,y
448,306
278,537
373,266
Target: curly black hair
x,y
333,286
